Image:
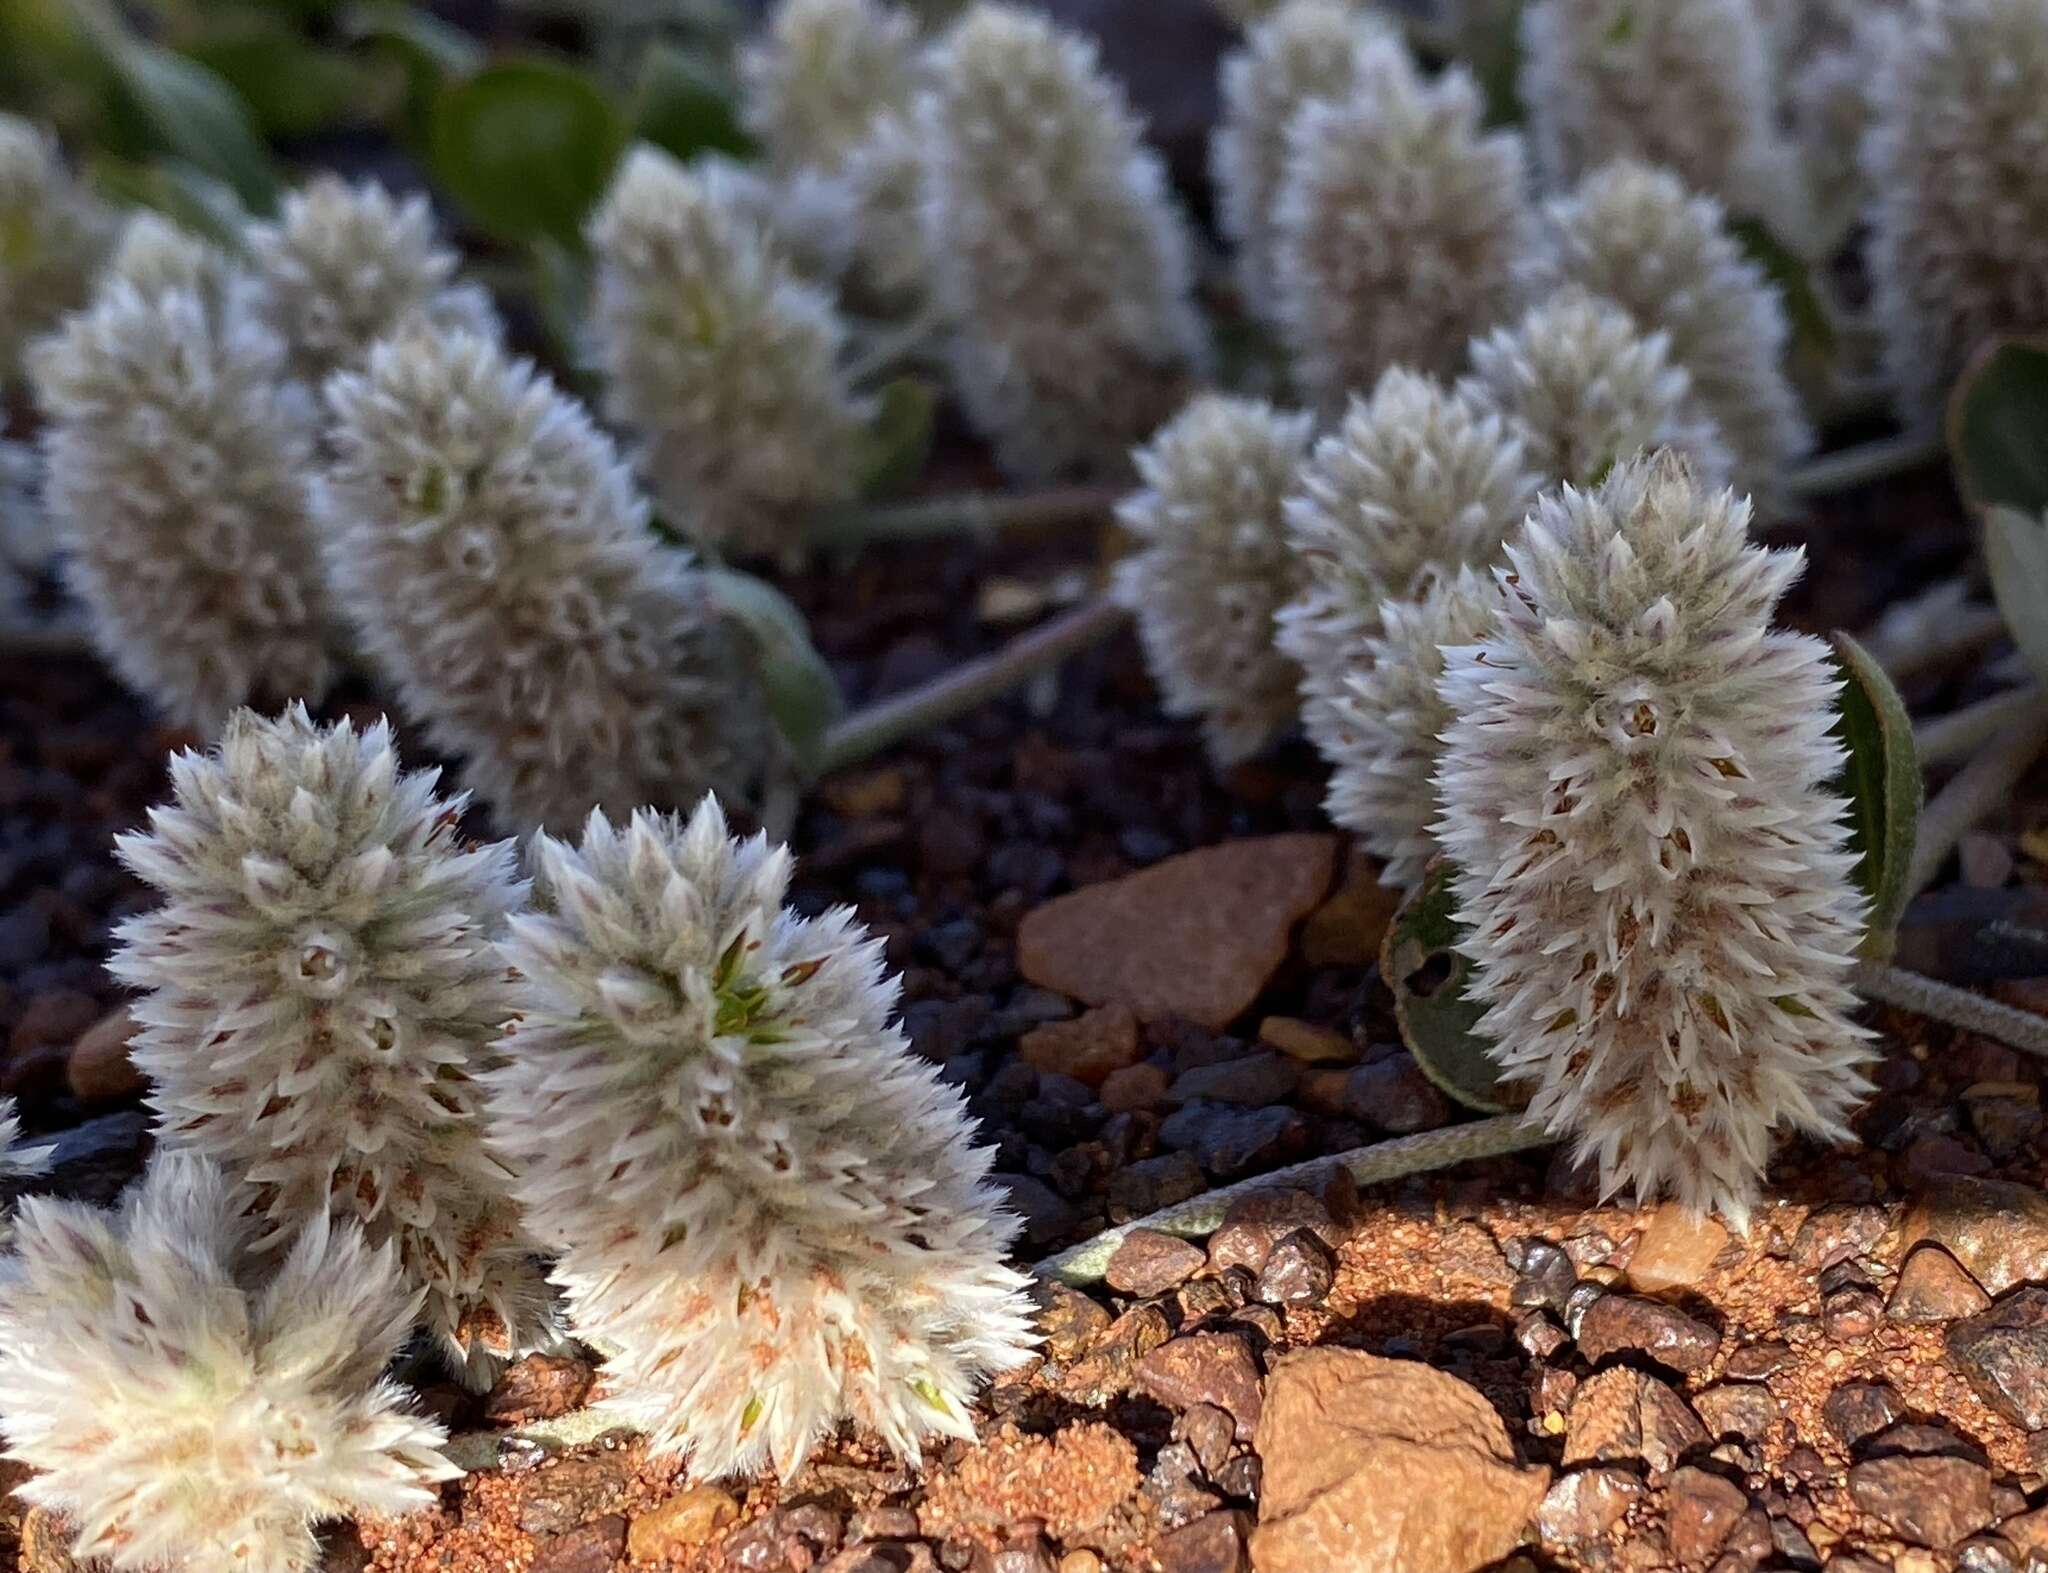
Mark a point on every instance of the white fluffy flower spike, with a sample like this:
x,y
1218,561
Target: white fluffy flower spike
x,y
52,237
497,562
1214,567
346,265
720,360
1397,226
1389,723
1688,84
185,1419
1658,882
813,84
1584,389
1305,51
1415,483
320,993
765,1203
1059,257
1958,158
180,474
1635,236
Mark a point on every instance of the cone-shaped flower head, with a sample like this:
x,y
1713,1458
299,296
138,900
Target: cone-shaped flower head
x,y
1958,158
1215,566
1687,84
1415,483
1633,235
1390,722
497,562
53,235
1305,51
1585,388
346,265
723,363
1059,257
320,992
766,1205
1657,879
883,178
822,71
1833,58
180,472
192,1406
1398,223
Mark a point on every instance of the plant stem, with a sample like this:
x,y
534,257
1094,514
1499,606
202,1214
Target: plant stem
x,y
1011,513
1864,463
892,343
867,732
1944,1002
1963,730
1981,786
1389,1160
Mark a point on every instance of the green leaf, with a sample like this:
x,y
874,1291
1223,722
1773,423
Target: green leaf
x,y
191,111
293,87
2016,551
898,440
1813,328
686,105
526,147
1998,426
1493,49
428,50
175,189
1881,778
803,696
1419,960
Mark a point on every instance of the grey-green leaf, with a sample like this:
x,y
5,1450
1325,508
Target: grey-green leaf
x,y
192,112
1998,426
1882,780
526,147
802,694
686,105
2016,551
1420,962
898,440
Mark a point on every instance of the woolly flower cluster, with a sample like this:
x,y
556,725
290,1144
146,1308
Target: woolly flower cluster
x,y
1956,157
497,563
813,84
1584,390
1389,722
52,237
185,1419
1635,236
1306,51
1687,84
723,363
1398,223
319,994
1058,256
1414,483
764,1202
179,472
346,265
1214,567
1657,880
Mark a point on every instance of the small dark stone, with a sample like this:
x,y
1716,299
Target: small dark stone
x,y
1069,1320
1299,1272
1240,1478
1539,1336
1755,1362
1790,1542
1254,1081
1394,1095
882,1523
1856,1411
1547,1276
1213,1543
1258,1218
1047,1215
1917,1439
1622,1415
1935,1502
1838,1230
1627,1324
1703,1510
1149,1262
564,1494
1205,1368
2004,1353
539,1387
1107,1370
1026,1553
589,1548
1228,1141
1209,1431
1583,1298
1740,1409
1152,1183
1583,1507
1851,1315
1933,1287
1201,1298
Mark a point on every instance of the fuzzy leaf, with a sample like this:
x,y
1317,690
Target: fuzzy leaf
x,y
803,695
1881,778
898,440
1421,965
526,147
174,188
686,106
1812,328
2016,551
1998,427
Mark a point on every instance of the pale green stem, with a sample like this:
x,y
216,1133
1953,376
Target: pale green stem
x,y
1979,788
988,512
1867,462
1964,730
887,722
1388,1160
1944,1002
891,344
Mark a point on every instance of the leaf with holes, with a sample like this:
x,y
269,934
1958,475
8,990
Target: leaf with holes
x,y
1421,964
1881,779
